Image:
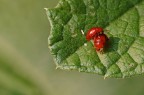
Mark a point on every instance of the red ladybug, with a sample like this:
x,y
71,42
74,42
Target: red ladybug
x,y
95,31
100,42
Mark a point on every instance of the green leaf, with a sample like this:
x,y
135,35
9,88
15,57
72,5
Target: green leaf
x,y
123,18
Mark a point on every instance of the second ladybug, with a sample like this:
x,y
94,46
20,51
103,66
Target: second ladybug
x,y
100,42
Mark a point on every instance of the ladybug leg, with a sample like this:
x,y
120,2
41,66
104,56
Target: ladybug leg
x,y
101,51
97,49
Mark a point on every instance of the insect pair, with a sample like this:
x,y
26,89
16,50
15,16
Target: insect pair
x,y
99,38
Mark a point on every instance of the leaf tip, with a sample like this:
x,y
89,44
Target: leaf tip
x,y
57,67
113,71
106,76
45,9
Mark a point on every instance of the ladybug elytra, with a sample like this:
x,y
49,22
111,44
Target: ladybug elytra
x,y
95,31
100,42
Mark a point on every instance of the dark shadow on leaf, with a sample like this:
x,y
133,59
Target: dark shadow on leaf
x,y
112,44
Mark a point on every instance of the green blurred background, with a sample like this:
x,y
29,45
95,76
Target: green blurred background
x,y
27,67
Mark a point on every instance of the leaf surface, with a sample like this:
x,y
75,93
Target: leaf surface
x,y
123,18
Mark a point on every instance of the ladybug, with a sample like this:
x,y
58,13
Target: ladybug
x,y
100,42
95,31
